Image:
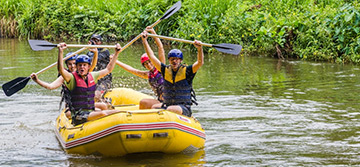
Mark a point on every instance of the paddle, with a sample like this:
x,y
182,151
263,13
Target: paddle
x,y
17,84
38,45
166,15
223,47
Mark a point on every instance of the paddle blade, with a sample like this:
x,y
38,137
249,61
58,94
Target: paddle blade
x,y
15,85
228,48
38,45
172,10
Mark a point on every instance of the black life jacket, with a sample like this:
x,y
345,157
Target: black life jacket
x,y
177,90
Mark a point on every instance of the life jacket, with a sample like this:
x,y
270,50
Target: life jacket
x,y
156,82
65,94
102,62
82,96
177,90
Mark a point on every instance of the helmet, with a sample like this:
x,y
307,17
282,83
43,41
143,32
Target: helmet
x,y
96,36
175,53
71,58
83,59
144,58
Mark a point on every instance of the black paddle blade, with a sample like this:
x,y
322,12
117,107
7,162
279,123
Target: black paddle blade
x,y
38,45
228,48
172,10
15,85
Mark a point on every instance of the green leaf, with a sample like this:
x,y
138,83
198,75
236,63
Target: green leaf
x,y
337,31
349,17
262,30
356,29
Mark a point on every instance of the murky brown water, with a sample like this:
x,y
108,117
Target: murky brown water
x,y
256,111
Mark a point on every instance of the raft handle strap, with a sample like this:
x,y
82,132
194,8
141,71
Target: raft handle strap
x,y
129,113
157,135
133,136
72,128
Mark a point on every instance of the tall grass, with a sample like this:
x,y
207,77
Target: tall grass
x,y
310,29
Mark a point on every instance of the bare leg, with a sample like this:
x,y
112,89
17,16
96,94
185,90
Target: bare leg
x,y
99,114
95,115
97,96
68,114
101,105
156,106
147,103
176,109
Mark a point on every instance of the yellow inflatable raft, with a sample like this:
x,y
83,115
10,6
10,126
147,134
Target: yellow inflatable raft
x,y
131,131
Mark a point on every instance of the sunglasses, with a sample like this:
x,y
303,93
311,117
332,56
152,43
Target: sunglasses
x,y
95,40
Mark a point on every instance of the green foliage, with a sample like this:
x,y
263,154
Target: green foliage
x,y
324,30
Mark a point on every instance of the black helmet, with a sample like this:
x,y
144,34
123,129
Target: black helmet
x,y
96,36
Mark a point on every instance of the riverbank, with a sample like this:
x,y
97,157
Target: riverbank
x,y
320,30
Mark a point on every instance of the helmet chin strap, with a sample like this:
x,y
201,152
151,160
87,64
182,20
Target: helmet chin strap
x,y
81,75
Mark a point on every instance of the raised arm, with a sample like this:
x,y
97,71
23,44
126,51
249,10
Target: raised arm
x,y
159,44
149,52
55,84
200,56
94,59
60,64
132,70
111,64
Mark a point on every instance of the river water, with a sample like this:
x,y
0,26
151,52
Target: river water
x,y
256,111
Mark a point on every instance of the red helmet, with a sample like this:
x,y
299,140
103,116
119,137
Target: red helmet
x,y
144,58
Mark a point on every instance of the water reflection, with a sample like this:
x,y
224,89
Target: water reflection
x,y
143,159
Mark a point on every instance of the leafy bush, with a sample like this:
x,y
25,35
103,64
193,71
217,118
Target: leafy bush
x,y
324,30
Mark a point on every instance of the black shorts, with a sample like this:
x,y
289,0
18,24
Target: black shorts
x,y
186,109
80,117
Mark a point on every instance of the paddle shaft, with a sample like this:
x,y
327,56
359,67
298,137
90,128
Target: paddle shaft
x,y
89,46
138,36
106,46
109,46
167,14
178,39
95,46
65,58
17,84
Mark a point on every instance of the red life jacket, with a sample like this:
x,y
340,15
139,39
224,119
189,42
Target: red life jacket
x,y
156,82
82,96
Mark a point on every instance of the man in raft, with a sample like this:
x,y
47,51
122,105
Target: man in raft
x,y
152,74
82,86
178,78
103,60
71,67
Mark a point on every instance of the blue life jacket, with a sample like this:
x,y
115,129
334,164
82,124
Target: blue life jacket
x,y
82,96
156,82
177,90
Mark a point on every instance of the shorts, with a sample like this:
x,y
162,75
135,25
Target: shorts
x,y
80,117
186,109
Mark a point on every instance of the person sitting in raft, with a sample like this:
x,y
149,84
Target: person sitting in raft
x,y
153,75
104,83
65,94
178,78
82,86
